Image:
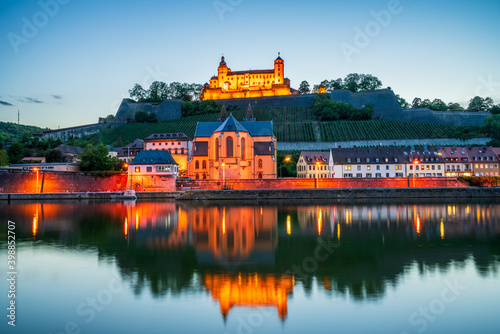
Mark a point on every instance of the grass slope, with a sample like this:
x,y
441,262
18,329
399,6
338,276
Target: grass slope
x,y
11,132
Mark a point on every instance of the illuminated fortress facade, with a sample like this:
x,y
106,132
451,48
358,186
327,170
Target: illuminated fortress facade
x,y
258,83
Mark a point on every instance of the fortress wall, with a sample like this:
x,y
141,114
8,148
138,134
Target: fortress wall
x,y
271,101
167,110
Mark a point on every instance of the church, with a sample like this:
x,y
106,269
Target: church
x,y
229,149
243,84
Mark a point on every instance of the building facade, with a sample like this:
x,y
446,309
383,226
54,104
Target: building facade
x,y
128,153
175,143
456,161
313,165
424,161
484,161
150,163
233,150
252,83
367,162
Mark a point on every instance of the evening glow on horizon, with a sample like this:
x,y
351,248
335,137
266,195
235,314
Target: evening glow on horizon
x,y
69,62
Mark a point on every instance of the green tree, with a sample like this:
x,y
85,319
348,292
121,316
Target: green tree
x,y
477,103
438,104
304,87
138,93
141,116
16,152
110,117
404,104
416,103
495,110
4,158
453,106
97,159
54,156
351,82
492,126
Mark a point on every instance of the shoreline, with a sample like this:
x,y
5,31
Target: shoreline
x,y
283,194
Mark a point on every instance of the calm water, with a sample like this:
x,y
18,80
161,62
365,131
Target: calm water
x,y
324,267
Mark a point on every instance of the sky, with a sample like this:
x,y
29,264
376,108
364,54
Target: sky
x,y
68,62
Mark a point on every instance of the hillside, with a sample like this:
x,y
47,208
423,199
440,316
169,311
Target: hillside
x,y
299,124
11,132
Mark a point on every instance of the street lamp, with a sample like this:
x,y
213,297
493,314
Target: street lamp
x,y
223,176
415,163
287,159
36,170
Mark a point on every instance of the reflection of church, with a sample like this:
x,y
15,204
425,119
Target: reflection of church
x,y
250,290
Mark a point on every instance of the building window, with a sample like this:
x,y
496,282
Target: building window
x,y
377,175
347,167
217,147
387,167
137,169
149,169
368,167
358,167
260,175
204,164
386,174
359,175
229,147
197,165
197,176
204,176
368,174
398,167
378,167
260,164
243,148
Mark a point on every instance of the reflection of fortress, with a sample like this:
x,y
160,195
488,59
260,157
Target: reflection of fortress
x,y
253,290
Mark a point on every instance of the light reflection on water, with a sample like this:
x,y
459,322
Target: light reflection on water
x,y
263,267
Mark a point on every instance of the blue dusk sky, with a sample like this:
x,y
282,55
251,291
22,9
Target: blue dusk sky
x,y
67,62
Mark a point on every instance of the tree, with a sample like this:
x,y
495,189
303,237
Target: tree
x,y
495,110
404,104
141,116
110,117
4,158
336,84
477,103
138,93
438,104
54,156
453,106
16,153
416,103
304,87
492,128
328,110
351,82
97,159
369,82
2,143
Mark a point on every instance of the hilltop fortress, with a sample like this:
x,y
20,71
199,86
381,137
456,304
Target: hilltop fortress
x,y
247,84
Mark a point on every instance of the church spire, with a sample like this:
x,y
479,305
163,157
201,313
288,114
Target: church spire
x,y
249,117
223,114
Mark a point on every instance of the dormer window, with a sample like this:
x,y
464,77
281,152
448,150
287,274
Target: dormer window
x,y
395,159
376,159
386,159
358,159
367,159
348,159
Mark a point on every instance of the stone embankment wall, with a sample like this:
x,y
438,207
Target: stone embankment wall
x,y
293,183
69,182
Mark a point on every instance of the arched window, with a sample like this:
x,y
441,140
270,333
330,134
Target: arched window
x,y
260,163
260,175
243,148
197,176
229,147
204,164
204,176
197,165
217,149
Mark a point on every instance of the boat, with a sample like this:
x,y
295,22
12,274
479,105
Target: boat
x,y
129,194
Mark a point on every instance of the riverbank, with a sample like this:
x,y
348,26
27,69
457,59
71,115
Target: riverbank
x,y
285,194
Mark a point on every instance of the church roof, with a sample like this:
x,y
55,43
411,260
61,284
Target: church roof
x,y
153,157
231,124
255,129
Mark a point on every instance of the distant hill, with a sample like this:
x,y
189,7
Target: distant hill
x,y
298,124
12,132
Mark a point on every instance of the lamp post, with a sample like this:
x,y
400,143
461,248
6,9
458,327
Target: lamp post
x,y
36,169
287,159
223,176
415,164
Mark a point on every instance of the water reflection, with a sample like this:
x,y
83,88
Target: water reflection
x,y
256,255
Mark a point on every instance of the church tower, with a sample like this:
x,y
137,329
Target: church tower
x,y
279,70
223,114
223,70
249,117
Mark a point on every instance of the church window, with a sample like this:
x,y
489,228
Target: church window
x,y
260,163
229,147
217,149
260,175
204,176
197,165
204,164
197,176
243,148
